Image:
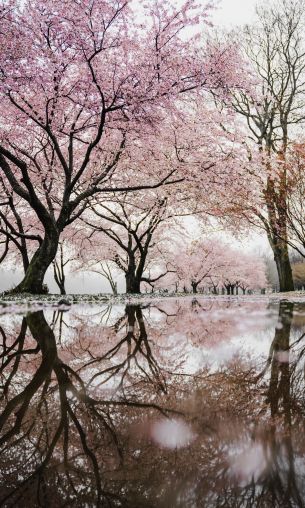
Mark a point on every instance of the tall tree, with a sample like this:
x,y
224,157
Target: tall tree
x,y
275,54
84,89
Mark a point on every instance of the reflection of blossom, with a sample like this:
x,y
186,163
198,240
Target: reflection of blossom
x,y
286,356
282,356
249,464
172,433
279,325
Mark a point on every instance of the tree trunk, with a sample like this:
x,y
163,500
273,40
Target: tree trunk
x,y
40,262
277,235
24,254
114,287
230,289
62,290
60,280
134,273
194,286
281,258
59,271
132,283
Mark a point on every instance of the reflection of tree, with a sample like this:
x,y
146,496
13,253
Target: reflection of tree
x,y
277,480
59,419
279,387
138,353
52,433
76,414
279,393
10,356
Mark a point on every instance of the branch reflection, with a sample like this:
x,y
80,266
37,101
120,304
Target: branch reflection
x,y
166,404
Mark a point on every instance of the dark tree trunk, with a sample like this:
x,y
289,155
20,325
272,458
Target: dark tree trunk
x,y
279,386
278,235
230,289
281,258
25,260
194,287
134,273
59,272
60,281
62,290
132,283
114,287
40,262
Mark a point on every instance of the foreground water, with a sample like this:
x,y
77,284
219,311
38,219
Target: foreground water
x,y
178,403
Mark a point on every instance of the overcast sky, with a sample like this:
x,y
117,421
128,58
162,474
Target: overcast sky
x,y
234,12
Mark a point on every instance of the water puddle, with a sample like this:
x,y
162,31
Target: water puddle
x,y
177,403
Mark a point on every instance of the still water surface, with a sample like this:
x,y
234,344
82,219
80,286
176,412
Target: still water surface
x,y
178,403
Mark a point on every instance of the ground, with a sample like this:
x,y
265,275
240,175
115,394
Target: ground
x,y
24,302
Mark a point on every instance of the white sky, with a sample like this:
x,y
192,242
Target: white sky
x,y
234,12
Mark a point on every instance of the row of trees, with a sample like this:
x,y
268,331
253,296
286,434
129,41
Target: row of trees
x,y
179,265
112,131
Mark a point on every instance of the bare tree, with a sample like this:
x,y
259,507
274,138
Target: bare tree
x,y
104,269
275,49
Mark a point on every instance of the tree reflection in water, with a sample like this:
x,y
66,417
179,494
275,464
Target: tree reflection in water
x,y
108,407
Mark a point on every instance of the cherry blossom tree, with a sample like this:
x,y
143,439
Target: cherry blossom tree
x,y
132,222
199,261
252,273
212,263
84,89
130,229
107,270
244,271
